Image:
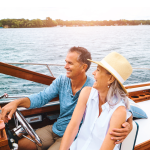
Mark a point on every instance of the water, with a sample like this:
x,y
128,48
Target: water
x,y
50,45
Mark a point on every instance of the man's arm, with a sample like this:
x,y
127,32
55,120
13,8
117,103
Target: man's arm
x,y
120,134
32,101
9,109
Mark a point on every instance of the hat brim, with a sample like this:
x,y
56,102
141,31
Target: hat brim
x,y
99,63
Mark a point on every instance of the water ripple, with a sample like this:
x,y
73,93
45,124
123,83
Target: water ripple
x,y
50,45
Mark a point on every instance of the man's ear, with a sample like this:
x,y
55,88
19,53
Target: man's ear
x,y
84,67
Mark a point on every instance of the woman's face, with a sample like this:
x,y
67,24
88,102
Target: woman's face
x,y
102,78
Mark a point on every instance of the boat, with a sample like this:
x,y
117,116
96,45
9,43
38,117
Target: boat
x,y
39,117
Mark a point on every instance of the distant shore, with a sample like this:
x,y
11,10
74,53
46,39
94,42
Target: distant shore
x,y
48,22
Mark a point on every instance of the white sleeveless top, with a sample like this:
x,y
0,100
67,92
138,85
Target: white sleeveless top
x,y
94,128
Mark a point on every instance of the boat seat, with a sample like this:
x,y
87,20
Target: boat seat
x,y
129,142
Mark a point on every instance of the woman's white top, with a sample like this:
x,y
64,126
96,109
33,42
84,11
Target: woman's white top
x,y
94,128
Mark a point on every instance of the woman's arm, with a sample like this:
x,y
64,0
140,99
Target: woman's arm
x,y
73,126
117,119
121,134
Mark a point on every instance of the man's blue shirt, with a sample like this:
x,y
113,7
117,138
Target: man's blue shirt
x,y
61,87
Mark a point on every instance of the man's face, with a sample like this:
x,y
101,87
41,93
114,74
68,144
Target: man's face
x,y
72,66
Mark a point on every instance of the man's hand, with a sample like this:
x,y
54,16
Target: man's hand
x,y
9,109
120,134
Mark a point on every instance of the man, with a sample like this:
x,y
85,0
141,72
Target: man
x,y
68,88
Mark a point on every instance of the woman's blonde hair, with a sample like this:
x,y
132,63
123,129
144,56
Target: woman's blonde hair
x,y
116,90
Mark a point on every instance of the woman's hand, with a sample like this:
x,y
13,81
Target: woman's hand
x,y
120,134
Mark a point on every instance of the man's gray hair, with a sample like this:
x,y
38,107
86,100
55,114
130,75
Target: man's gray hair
x,y
84,54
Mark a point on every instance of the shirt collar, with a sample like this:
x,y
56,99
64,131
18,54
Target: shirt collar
x,y
70,89
96,99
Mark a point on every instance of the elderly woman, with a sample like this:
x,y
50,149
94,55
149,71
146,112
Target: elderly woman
x,y
102,107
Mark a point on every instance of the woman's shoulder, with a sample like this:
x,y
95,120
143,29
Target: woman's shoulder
x,y
121,109
84,94
89,90
119,113
86,91
89,93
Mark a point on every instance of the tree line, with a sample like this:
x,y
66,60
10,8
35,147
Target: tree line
x,y
48,22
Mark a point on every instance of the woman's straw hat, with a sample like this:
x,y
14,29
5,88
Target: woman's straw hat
x,y
118,66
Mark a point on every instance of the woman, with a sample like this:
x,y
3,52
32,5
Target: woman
x,y
102,107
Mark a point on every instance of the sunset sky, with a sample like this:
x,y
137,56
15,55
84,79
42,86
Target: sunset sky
x,y
76,9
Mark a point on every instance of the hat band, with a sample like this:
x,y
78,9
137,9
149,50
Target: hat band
x,y
111,69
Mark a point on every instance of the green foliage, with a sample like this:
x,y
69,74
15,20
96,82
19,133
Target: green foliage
x,y
48,22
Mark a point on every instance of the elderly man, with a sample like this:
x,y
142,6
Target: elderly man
x,y
68,88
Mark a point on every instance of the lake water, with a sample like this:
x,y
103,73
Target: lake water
x,y
50,46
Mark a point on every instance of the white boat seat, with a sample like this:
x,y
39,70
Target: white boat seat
x,y
144,124
129,142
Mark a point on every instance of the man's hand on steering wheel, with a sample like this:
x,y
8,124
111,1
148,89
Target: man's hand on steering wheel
x,y
7,111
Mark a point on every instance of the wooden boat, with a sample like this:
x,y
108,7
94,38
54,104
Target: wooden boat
x,y
39,117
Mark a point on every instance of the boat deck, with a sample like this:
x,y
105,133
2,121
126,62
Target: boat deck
x,y
144,132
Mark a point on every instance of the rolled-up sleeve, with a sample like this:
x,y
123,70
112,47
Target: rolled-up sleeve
x,y
43,97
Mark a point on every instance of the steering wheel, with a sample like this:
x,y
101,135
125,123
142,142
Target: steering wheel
x,y
25,127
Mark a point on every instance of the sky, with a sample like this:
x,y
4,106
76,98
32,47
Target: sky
x,y
76,9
